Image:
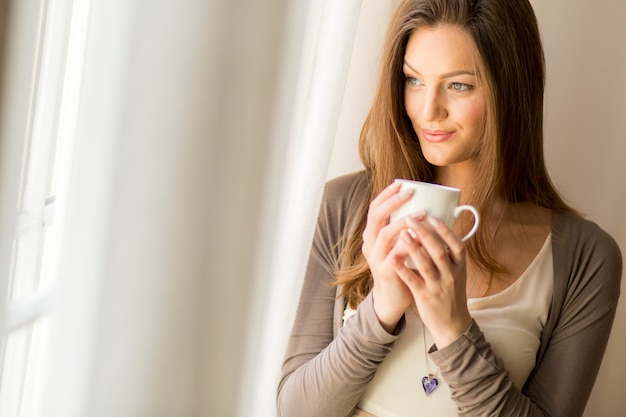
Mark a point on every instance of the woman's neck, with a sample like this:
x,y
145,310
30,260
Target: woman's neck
x,y
461,176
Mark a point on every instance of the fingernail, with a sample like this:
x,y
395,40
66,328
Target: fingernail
x,y
434,221
408,236
419,216
413,223
406,192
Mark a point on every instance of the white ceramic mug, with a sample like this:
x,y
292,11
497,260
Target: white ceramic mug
x,y
437,201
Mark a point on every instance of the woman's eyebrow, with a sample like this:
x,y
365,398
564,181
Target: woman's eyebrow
x,y
410,67
446,75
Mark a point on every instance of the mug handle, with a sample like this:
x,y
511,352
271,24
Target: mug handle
x,y
473,210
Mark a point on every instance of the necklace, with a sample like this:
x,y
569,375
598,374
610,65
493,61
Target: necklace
x,y
429,382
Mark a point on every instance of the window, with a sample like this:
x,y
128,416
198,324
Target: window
x,y
42,64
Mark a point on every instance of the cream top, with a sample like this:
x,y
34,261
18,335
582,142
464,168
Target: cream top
x,y
512,322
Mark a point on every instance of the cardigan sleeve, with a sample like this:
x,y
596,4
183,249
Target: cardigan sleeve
x,y
479,384
588,268
322,376
588,264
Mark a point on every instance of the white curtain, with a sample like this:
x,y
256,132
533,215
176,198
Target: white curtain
x,y
203,141
287,228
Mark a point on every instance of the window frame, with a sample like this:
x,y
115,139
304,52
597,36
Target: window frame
x,y
34,192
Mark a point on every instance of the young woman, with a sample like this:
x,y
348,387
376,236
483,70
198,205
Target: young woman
x,y
515,321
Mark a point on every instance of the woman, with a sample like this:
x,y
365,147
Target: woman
x,y
513,322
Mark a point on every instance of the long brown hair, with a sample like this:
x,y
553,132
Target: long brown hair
x,y
510,163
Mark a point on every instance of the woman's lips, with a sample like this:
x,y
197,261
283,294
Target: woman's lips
x,y
437,135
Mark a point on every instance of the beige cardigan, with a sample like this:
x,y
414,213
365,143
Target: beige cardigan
x,y
327,367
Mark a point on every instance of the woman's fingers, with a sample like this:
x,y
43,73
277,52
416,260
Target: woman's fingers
x,y
430,254
390,199
391,296
410,277
454,246
378,214
437,284
390,190
433,247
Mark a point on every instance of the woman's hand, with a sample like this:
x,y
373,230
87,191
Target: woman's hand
x,y
391,296
438,284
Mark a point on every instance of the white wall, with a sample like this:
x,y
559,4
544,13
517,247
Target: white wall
x,y
585,119
585,45
361,84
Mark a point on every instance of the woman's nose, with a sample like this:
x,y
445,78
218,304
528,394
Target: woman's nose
x,y
434,106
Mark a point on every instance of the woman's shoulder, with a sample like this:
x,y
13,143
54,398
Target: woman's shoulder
x,y
577,230
583,244
347,184
343,199
346,191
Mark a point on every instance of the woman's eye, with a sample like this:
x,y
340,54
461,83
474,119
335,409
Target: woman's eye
x,y
412,81
460,87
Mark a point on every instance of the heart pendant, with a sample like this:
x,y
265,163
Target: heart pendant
x,y
430,384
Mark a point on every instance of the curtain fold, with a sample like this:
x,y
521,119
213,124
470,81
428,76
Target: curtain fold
x,y
287,227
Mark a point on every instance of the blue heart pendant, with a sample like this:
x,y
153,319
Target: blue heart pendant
x,y
430,384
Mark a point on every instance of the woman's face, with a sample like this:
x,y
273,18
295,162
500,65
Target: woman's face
x,y
443,97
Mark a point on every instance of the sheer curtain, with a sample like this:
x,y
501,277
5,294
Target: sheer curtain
x,y
202,143
288,224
